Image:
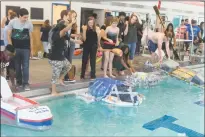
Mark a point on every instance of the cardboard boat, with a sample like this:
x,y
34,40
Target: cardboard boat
x,y
19,111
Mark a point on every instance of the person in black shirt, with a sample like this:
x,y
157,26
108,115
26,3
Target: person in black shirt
x,y
102,34
121,62
44,36
121,25
6,19
60,65
91,42
7,56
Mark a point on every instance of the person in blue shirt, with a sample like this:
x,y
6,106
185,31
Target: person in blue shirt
x,y
196,36
186,23
196,30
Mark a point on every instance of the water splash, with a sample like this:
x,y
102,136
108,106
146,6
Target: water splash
x,y
144,80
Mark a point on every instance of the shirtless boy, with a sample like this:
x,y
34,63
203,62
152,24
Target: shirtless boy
x,y
155,40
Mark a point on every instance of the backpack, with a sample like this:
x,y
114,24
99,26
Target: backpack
x,y
50,42
50,34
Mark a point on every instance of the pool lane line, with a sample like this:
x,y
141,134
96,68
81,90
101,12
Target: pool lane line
x,y
167,122
200,103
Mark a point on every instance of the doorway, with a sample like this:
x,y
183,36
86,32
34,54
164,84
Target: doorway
x,y
56,11
86,12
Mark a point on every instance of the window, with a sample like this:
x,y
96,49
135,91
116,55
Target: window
x,y
37,13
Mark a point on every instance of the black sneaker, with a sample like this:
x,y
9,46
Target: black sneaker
x,y
7,78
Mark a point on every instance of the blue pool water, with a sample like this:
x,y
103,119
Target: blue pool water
x,y
73,117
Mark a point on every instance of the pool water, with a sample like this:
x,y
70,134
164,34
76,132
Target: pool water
x,y
73,117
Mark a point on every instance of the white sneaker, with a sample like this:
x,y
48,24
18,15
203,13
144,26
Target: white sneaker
x,y
26,88
71,81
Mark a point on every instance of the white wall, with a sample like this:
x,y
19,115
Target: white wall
x,y
101,16
77,7
46,5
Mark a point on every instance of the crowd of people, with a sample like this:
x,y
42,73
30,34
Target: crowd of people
x,y
184,31
119,41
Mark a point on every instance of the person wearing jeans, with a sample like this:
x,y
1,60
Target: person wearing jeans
x,y
22,55
20,36
132,48
131,36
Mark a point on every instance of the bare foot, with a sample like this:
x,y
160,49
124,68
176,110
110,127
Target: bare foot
x,y
122,73
61,83
14,88
105,76
54,93
112,76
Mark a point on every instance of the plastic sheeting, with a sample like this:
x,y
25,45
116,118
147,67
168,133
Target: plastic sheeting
x,y
141,79
101,87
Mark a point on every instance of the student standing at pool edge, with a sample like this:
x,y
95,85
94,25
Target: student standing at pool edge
x,y
74,39
131,36
60,65
20,36
70,41
110,42
44,36
90,46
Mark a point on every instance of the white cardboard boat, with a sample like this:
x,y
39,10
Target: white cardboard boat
x,y
23,112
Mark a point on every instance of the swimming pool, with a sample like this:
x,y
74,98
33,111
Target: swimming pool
x,y
73,117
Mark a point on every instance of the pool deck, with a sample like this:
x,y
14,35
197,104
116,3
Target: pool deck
x,y
40,76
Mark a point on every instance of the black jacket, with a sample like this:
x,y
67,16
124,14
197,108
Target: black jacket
x,y
121,26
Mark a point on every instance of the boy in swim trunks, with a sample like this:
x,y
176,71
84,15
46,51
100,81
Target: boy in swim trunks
x,y
155,40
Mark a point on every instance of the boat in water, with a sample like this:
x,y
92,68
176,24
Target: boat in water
x,y
111,91
19,111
